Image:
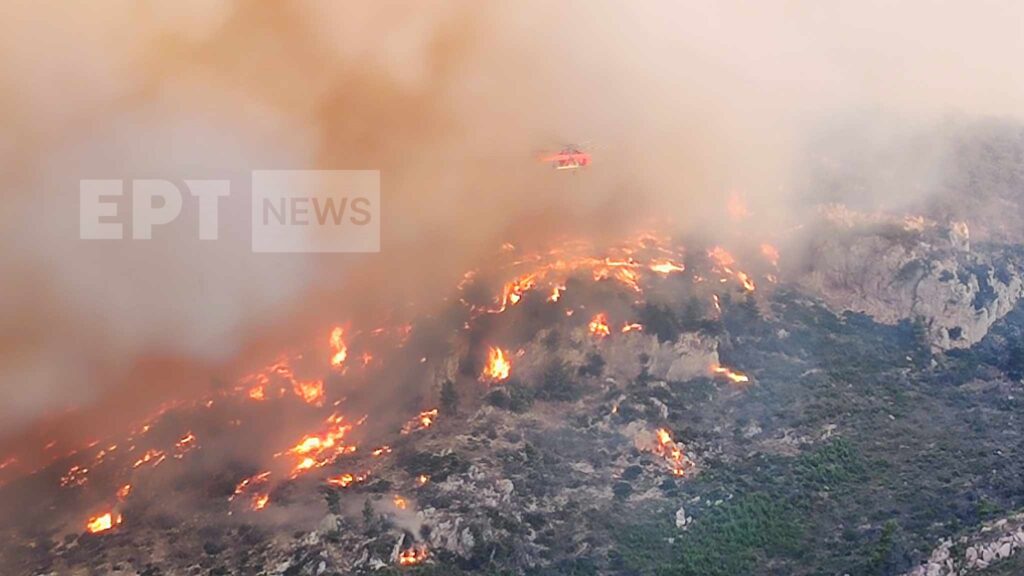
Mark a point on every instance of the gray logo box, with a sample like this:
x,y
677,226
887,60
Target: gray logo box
x,y
297,211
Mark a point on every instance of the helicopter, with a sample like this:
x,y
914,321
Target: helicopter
x,y
568,158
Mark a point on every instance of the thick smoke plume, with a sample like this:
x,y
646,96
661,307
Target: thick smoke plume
x,y
682,105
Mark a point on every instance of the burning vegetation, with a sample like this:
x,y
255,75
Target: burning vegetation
x,y
322,390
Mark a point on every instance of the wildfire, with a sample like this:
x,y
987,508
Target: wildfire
x,y
381,451
634,327
731,375
251,480
346,480
123,492
666,267
317,450
75,476
102,523
259,501
413,556
152,455
737,208
399,502
422,479
339,350
498,365
771,253
184,445
599,326
311,391
422,421
672,453
725,262
556,293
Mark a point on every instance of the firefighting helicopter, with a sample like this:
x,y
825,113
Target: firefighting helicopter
x,y
568,158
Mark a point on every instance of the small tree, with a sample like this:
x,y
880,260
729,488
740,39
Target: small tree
x,y
1015,362
449,398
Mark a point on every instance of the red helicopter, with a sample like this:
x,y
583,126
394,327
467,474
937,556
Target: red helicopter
x,y
568,158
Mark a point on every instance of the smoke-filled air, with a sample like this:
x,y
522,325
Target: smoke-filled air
x,y
674,288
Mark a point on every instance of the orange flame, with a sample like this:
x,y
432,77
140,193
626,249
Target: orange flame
x,y
672,453
599,326
311,391
737,208
339,350
498,365
102,522
123,492
732,375
151,455
771,253
634,327
725,262
317,450
346,480
666,267
259,501
413,556
422,421
400,502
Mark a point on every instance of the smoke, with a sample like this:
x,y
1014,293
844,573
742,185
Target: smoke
x,y
681,104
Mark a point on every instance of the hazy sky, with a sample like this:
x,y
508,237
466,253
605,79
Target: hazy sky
x,y
682,103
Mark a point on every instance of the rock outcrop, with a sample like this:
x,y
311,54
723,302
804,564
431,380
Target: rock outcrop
x,y
913,269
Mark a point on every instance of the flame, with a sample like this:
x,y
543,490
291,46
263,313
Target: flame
x,y
599,326
732,375
666,267
771,253
346,480
75,476
413,556
152,455
422,421
737,208
634,327
123,492
672,453
311,391
259,501
422,479
184,445
400,502
102,522
339,350
725,262
498,365
382,450
317,450
556,292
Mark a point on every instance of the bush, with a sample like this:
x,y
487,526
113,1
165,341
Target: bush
x,y
557,383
